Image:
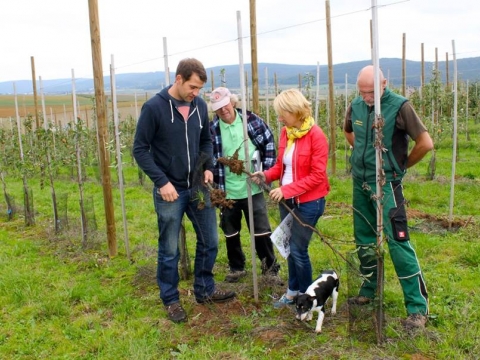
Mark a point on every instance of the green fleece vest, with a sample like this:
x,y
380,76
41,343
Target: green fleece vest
x,y
394,140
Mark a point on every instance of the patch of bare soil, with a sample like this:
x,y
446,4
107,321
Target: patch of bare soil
x,y
434,223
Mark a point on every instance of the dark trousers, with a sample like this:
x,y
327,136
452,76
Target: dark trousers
x,y
230,222
263,247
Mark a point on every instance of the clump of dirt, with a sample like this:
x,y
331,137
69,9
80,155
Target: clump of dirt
x,y
218,198
236,166
201,190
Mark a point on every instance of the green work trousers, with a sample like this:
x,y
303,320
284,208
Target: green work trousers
x,y
395,229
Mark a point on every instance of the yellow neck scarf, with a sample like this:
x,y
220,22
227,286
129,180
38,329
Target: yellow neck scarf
x,y
294,133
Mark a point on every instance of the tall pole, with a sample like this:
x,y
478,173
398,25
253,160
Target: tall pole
x,y
346,107
435,100
136,107
253,45
275,89
380,179
83,215
247,95
422,79
404,65
447,77
34,85
44,111
29,216
119,154
165,61
331,98
102,125
423,64
247,157
317,93
266,97
454,147
466,114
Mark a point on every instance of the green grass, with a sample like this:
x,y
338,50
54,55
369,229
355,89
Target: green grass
x,y
61,301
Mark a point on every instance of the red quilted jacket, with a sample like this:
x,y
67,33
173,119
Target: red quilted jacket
x,y
310,180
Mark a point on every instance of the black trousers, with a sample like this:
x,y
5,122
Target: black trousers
x,y
231,224
263,248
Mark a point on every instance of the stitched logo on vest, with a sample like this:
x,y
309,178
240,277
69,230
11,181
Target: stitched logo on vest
x,y
358,122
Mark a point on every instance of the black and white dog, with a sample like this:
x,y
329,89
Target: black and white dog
x,y
316,296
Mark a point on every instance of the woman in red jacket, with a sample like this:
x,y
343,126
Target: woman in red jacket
x,y
301,169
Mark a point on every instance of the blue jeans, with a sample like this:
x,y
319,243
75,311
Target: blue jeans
x,y
169,217
299,265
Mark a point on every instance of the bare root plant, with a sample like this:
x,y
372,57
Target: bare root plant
x,y
217,196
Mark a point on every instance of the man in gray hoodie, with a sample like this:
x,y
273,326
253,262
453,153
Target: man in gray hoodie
x,y
172,138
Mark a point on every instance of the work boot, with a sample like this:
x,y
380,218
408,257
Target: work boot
x,y
414,321
218,296
176,313
235,276
271,274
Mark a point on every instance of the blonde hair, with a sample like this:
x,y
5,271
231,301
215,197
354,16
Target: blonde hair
x,y
292,101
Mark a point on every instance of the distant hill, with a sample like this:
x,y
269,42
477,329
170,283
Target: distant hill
x,y
286,75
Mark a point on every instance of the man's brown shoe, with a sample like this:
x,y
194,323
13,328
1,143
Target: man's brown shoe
x,y
414,321
176,313
234,276
218,296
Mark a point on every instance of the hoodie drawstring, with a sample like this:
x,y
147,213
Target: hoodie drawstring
x,y
199,118
171,109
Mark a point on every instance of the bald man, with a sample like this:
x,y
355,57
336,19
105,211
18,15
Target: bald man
x,y
401,123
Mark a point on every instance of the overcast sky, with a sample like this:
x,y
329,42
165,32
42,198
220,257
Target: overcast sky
x,y
57,33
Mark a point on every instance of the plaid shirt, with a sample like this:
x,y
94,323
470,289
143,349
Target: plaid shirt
x,y
258,132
